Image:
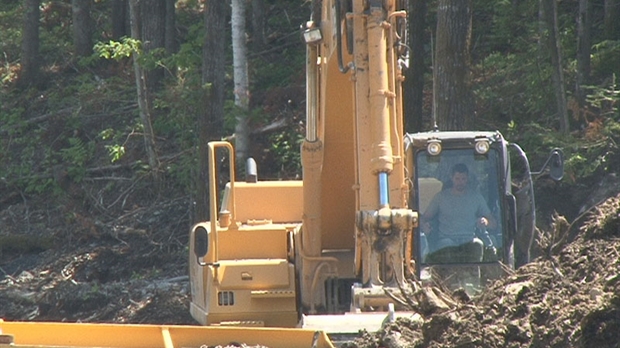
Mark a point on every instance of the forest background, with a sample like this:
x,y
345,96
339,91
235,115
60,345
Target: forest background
x,y
105,105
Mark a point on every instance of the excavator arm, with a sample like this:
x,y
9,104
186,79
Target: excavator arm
x,y
355,191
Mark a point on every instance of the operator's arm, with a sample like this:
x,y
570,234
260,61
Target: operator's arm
x,y
486,220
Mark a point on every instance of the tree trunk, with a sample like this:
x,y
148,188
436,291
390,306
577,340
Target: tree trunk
x,y
211,122
553,44
144,102
153,37
170,36
611,25
454,98
82,27
258,25
119,19
583,50
414,81
30,61
240,75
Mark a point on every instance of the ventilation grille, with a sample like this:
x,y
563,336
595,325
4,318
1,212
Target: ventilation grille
x,y
225,298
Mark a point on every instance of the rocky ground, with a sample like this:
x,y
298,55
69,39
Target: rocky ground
x,y
60,265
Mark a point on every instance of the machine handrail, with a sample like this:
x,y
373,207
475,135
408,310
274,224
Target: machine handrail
x,y
213,145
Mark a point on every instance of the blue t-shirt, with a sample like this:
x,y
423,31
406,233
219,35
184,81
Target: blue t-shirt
x,y
457,213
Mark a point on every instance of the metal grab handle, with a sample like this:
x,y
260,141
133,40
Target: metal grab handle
x,y
485,237
213,145
343,69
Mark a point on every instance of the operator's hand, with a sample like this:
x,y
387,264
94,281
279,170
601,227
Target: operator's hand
x,y
482,223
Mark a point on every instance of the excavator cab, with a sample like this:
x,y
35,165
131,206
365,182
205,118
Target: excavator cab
x,y
499,173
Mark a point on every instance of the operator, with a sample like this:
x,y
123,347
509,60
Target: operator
x,y
459,211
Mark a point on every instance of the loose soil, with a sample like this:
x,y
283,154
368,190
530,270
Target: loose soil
x,y
59,265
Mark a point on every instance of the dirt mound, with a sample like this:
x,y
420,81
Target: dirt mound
x,y
131,269
570,297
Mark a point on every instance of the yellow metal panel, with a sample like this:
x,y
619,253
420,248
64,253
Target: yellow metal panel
x,y
281,318
253,242
338,175
44,334
253,274
247,306
272,293
279,201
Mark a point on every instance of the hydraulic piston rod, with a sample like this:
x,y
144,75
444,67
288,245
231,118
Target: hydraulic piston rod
x,y
384,196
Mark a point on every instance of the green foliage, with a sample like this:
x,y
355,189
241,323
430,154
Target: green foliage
x,y
76,156
148,274
181,105
22,153
584,156
116,140
503,26
127,47
116,152
152,60
586,159
606,58
11,120
187,57
182,170
10,41
605,99
596,150
285,147
269,73
512,83
534,138
118,50
94,103
515,87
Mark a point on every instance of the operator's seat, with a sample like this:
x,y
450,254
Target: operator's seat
x,y
427,188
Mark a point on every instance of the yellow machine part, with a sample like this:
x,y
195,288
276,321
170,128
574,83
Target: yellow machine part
x,y
253,282
44,334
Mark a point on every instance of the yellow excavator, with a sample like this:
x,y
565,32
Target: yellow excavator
x,y
335,250
284,263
